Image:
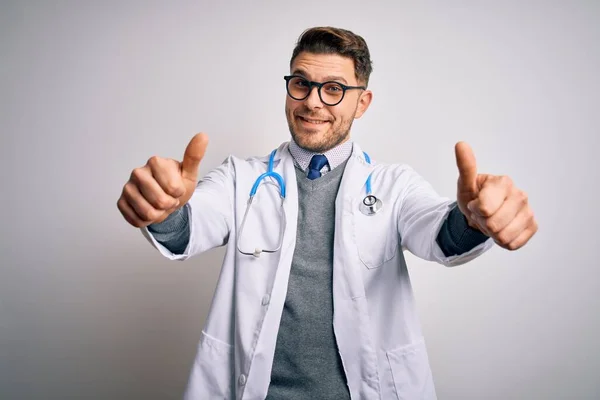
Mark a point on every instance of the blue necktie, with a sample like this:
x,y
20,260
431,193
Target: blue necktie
x,y
316,164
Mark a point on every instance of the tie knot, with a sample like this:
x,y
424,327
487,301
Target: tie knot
x,y
316,164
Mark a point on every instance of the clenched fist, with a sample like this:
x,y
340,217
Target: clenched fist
x,y
162,186
492,203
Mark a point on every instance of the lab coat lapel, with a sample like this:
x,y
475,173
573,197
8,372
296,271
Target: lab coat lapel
x,y
284,165
348,289
347,276
355,176
258,381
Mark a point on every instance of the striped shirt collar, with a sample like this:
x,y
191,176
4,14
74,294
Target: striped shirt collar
x,y
335,156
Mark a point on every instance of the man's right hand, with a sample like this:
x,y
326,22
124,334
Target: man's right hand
x,y
162,186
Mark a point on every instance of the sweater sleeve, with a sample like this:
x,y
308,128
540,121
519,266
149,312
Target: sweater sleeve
x,y
174,231
456,236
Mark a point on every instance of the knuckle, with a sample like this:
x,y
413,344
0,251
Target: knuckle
x,y
533,225
153,160
160,203
126,213
485,210
523,198
513,246
529,217
506,180
503,238
172,188
175,187
491,225
147,213
120,206
164,203
137,174
135,222
128,190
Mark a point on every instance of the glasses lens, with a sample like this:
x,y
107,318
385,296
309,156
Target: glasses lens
x,y
298,88
332,93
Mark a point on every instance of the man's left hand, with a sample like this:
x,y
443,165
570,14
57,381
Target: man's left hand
x,y
492,204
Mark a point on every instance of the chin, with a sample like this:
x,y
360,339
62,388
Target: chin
x,y
306,143
314,140
316,146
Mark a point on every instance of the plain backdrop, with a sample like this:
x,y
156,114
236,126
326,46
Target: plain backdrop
x,y
91,90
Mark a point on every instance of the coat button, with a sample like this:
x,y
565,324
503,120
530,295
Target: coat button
x,y
266,299
242,380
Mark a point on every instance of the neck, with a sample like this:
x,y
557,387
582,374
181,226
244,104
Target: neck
x,y
335,156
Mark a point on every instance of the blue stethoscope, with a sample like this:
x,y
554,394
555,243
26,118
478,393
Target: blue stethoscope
x,y
370,205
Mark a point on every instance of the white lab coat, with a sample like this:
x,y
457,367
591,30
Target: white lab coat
x,y
375,321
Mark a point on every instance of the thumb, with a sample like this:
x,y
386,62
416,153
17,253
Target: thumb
x,y
467,168
194,153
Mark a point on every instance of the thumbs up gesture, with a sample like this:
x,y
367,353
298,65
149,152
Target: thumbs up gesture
x,y
162,186
492,204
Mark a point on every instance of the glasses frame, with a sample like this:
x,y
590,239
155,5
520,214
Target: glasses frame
x,y
318,85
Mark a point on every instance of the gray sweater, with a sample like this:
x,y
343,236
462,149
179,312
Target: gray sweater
x,y
307,363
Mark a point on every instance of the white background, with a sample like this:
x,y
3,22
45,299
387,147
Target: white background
x,y
90,90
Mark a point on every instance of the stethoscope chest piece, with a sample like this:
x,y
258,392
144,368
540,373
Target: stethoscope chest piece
x,y
370,205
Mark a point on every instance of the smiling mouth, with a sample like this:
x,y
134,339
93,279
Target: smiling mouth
x,y
313,121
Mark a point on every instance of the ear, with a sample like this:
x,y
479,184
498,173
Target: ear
x,y
363,103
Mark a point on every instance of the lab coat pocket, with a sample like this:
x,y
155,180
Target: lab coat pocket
x,y
376,237
211,375
411,372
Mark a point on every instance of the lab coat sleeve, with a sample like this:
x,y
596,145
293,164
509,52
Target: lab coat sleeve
x,y
210,214
421,216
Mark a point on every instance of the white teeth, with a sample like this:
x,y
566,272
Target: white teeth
x,y
313,121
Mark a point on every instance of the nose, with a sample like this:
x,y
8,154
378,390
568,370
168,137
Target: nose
x,y
313,100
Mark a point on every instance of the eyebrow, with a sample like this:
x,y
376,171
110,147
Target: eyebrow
x,y
327,78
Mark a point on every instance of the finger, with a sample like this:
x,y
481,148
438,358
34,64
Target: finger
x,y
523,238
151,190
508,211
166,173
522,221
194,153
142,208
467,168
491,196
129,213
480,225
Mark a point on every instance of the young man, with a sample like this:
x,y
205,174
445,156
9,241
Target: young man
x,y
314,298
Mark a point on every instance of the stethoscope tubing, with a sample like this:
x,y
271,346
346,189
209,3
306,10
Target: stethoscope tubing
x,y
369,206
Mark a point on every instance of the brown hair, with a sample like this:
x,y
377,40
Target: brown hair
x,y
329,40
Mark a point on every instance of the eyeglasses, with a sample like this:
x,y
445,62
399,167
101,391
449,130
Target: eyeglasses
x,y
331,93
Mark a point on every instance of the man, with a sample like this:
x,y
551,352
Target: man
x,y
325,309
